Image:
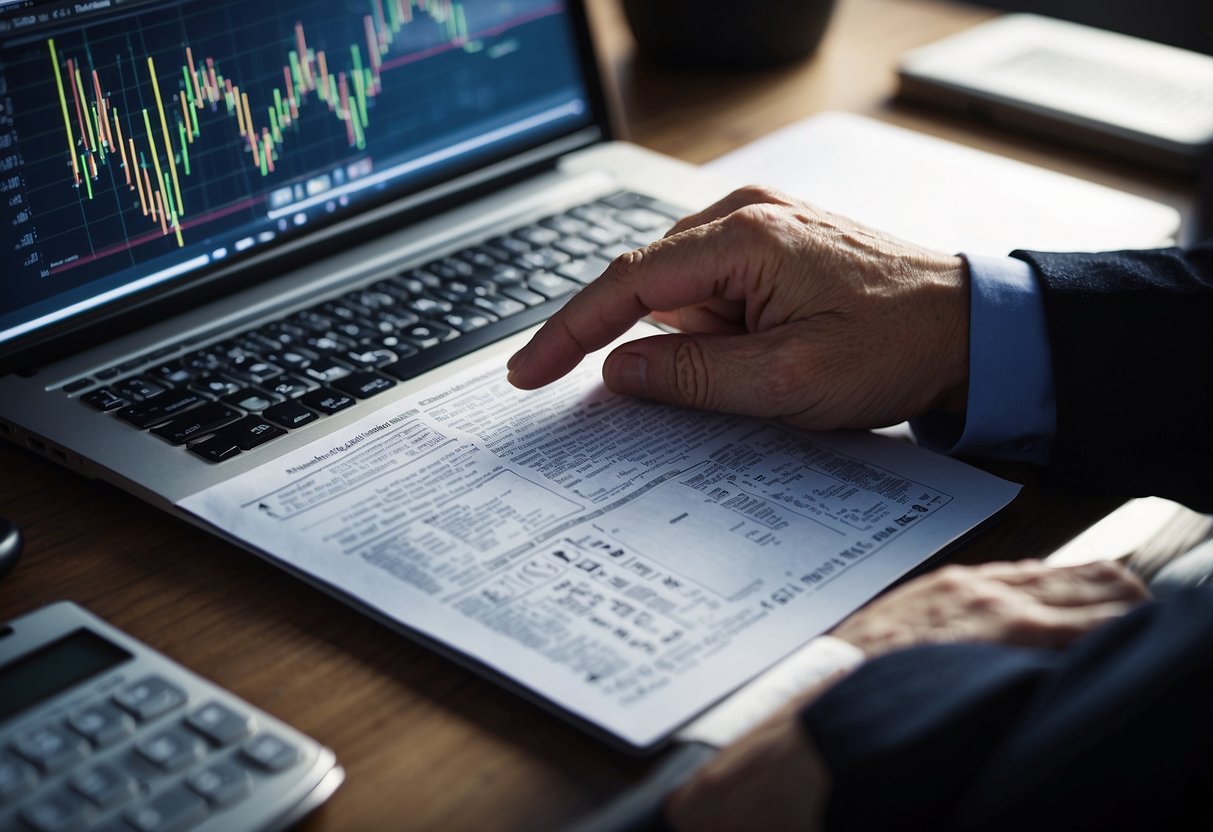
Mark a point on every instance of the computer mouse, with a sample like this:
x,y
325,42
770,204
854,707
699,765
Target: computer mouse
x,y
10,545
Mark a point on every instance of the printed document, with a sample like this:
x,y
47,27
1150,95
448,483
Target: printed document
x,y
628,562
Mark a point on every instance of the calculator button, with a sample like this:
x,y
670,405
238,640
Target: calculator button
x,y
105,786
171,750
16,778
50,748
270,753
222,783
219,723
62,812
171,811
101,724
149,698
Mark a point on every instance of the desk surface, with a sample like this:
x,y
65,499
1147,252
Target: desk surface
x,y
426,744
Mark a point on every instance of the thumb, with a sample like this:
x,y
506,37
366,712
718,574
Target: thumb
x,y
729,373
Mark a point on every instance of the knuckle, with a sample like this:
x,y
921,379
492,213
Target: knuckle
x,y
692,375
752,221
953,578
1026,623
758,193
625,264
1106,571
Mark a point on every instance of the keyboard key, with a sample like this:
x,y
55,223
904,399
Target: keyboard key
x,y
216,385
289,387
291,360
197,423
172,374
451,268
550,285
537,236
576,247
377,357
523,295
62,812
606,233
504,276
161,408
501,307
563,223
542,258
101,724
513,245
78,385
51,748
430,307
251,400
253,369
327,369
171,750
584,270
289,414
222,783
643,219
467,320
327,400
484,257
215,449
171,811
103,399
107,373
426,335
626,200
105,786
17,778
202,362
138,388
325,345
219,723
250,432
364,385
420,280
269,752
149,698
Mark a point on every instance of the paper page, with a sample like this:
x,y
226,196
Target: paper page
x,y
632,563
944,195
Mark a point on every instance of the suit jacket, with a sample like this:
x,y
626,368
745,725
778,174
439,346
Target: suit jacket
x,y
1115,732
1131,335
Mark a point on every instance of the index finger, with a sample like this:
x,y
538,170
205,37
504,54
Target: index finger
x,y
685,269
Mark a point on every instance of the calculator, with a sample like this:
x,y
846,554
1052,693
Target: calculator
x,y
99,731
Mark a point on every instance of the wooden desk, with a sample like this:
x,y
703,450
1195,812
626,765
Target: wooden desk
x,y
427,745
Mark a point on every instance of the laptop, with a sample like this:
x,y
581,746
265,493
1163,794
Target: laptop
x,y
252,250
229,228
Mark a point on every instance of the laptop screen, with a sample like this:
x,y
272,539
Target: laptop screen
x,y
144,143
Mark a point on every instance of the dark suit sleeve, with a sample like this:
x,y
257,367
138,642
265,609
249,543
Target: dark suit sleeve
x,y
1131,335
1114,733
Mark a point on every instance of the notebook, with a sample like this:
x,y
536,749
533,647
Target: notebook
x,y
262,267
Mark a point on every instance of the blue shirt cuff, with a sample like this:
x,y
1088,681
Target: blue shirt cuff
x,y
1011,412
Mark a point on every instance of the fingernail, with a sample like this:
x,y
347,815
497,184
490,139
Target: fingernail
x,y
631,372
516,360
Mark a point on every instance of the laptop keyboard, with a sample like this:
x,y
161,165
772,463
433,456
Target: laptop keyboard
x,y
229,397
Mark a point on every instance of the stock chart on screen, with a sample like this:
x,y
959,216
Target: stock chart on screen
x,y
141,141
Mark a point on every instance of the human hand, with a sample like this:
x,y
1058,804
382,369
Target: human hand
x,y
773,779
1025,603
787,312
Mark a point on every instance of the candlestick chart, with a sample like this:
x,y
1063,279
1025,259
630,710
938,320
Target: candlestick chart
x,y
159,129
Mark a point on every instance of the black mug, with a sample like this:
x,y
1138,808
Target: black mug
x,y
727,34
